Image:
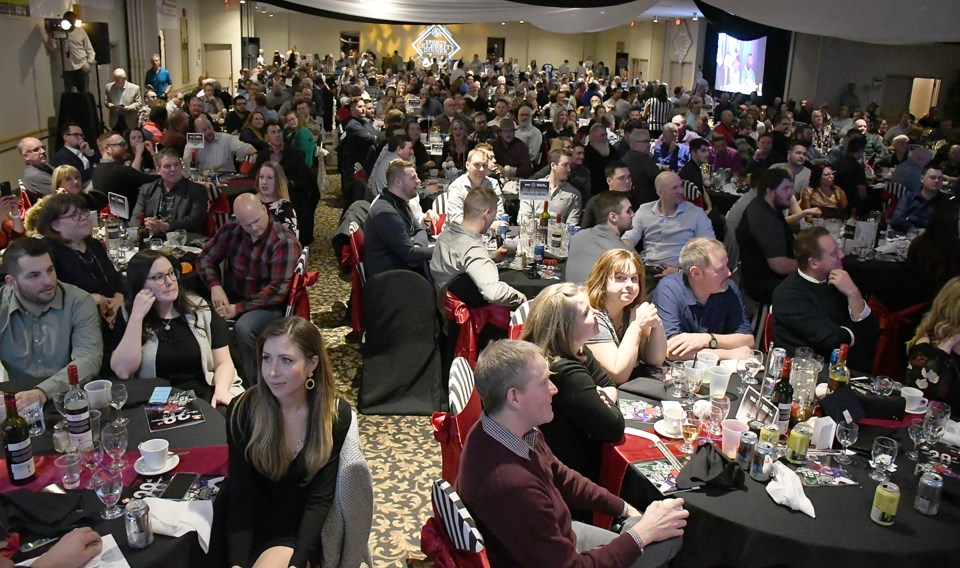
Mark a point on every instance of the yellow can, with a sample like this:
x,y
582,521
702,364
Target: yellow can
x,y
885,503
798,443
770,433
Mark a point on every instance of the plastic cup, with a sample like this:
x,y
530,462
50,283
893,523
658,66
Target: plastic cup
x,y
69,467
711,359
719,379
154,453
730,436
95,424
98,393
695,373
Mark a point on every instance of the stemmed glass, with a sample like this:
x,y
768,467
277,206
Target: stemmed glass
x,y
58,403
678,376
690,429
748,368
108,484
118,397
847,434
114,438
884,453
92,454
712,417
935,422
917,433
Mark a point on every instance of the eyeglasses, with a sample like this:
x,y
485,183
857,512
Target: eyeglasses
x,y
74,134
828,174
122,144
77,215
160,279
34,150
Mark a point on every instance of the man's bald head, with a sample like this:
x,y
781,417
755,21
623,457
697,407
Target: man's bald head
x,y
202,125
252,215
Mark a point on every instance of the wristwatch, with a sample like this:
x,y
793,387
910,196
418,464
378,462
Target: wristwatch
x,y
713,341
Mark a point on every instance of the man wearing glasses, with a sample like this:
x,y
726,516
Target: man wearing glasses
x,y
643,170
45,325
112,175
37,173
173,202
76,152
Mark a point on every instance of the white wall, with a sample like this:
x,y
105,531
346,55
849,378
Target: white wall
x,y
823,66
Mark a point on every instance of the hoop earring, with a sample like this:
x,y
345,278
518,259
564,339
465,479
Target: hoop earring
x,y
310,383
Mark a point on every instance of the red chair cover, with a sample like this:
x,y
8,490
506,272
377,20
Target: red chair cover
x,y
218,212
477,318
298,301
514,331
451,432
245,167
890,200
613,465
435,543
352,262
439,223
767,330
887,358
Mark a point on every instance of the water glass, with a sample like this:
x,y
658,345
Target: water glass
x,y
675,373
92,454
69,467
719,380
882,385
58,403
118,397
935,422
712,417
884,453
690,430
917,436
33,414
95,424
847,434
748,369
108,484
695,372
114,438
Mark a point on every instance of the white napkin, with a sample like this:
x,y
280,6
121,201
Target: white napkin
x,y
177,518
890,247
951,434
786,489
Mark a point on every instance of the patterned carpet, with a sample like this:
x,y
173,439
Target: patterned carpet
x,y
403,456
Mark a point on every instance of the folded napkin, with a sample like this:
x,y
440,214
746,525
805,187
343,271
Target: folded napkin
x,y
177,518
786,489
951,434
890,247
711,468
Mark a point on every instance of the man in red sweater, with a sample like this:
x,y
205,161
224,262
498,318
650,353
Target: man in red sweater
x,y
520,494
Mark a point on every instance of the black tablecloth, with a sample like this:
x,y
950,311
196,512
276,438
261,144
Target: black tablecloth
x,y
746,528
722,201
165,551
521,281
887,280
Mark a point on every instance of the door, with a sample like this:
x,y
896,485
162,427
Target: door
x,y
218,64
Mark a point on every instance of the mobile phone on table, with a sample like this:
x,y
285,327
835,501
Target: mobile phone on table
x,y
5,189
179,486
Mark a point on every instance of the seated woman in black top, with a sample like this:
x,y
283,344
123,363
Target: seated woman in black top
x,y
455,148
252,131
141,151
81,259
284,437
173,335
933,354
272,188
585,411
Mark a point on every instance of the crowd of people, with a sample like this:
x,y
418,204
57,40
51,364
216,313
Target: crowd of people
x,y
648,279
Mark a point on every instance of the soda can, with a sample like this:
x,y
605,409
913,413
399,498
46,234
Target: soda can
x,y
762,461
929,492
136,519
504,217
538,254
755,426
798,443
885,503
770,433
748,442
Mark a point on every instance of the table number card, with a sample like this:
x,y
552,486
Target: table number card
x,y
535,189
755,407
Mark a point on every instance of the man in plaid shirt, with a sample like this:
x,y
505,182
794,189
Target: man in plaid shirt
x,y
260,255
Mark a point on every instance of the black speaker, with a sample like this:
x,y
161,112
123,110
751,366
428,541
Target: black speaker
x,y
82,109
250,49
99,34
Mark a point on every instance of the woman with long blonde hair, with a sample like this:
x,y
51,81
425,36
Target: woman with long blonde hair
x,y
585,412
630,328
284,437
933,355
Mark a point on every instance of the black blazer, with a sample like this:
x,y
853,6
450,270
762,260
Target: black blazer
x,y
64,157
189,204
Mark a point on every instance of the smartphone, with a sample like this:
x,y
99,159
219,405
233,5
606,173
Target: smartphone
x,y
179,486
5,189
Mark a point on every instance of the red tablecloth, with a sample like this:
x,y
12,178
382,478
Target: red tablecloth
x,y
208,460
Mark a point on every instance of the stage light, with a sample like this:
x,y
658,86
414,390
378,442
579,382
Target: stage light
x,y
695,17
655,20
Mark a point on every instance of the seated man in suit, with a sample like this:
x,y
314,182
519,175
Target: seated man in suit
x,y
173,202
519,492
260,257
76,152
819,306
700,307
394,239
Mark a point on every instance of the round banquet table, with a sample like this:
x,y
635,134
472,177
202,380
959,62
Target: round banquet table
x,y
745,528
886,280
521,281
207,455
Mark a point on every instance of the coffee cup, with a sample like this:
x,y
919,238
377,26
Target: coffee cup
x,y
672,419
154,453
98,393
915,400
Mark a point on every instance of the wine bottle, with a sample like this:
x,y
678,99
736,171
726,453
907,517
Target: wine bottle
x,y
783,398
839,373
77,410
142,234
16,444
544,222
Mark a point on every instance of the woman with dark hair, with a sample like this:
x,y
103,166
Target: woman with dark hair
x,y
630,328
822,194
173,335
585,412
141,151
284,436
252,131
657,111
81,259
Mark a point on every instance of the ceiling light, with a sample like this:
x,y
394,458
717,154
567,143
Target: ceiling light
x,y
655,20
602,12
695,16
521,21
503,23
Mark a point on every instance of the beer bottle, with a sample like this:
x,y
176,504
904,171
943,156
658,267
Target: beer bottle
x,y
544,222
839,373
17,450
783,398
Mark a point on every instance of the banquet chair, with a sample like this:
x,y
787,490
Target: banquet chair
x,y
450,429
692,193
517,318
471,321
768,328
298,301
439,209
892,193
358,279
218,210
888,356
450,537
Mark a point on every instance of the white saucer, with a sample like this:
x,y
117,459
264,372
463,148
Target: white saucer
x,y
918,410
661,429
141,468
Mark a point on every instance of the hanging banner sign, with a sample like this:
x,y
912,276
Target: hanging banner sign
x,y
436,41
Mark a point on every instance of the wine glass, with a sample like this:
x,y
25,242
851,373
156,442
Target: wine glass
x,y
92,454
678,376
748,368
917,433
884,452
690,429
114,439
58,403
118,397
723,403
847,434
712,417
935,422
108,483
